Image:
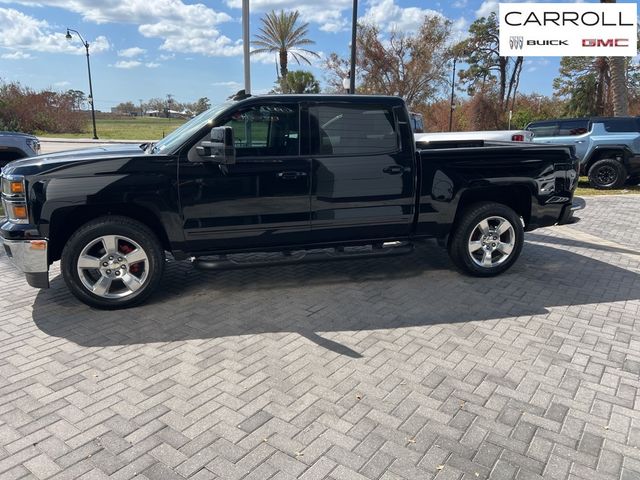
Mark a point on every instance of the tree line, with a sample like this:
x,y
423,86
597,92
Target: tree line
x,y
163,107
27,110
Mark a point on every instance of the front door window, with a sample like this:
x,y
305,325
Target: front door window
x,y
266,131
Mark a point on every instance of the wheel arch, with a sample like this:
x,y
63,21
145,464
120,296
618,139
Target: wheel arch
x,y
618,152
65,221
516,197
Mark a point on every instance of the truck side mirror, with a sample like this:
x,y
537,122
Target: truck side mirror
x,y
220,147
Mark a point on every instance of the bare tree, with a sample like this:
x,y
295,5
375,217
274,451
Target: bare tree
x,y
486,66
409,65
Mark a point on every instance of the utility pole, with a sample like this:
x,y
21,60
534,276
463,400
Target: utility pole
x,y
354,27
245,46
453,86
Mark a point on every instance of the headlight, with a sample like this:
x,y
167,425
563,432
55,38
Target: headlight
x,y
34,144
14,198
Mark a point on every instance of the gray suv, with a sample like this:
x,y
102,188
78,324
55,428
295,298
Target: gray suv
x,y
608,147
15,145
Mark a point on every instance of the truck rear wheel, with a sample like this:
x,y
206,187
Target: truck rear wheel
x,y
487,240
607,173
112,262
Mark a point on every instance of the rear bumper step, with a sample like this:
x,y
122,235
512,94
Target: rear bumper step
x,y
578,203
567,217
223,262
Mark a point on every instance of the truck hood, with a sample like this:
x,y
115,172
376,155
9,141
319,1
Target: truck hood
x,y
44,163
15,134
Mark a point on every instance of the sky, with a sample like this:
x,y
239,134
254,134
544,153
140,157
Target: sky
x,y
150,48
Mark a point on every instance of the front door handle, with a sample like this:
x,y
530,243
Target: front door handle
x,y
291,175
393,170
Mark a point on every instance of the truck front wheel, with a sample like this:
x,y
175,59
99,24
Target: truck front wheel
x,y
487,240
112,262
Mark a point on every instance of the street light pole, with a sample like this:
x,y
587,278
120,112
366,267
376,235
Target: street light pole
x,y
453,85
86,46
354,26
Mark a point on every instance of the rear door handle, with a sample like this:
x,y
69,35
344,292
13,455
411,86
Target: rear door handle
x,y
393,170
291,175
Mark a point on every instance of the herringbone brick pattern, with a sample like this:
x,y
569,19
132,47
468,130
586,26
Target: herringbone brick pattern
x,y
395,368
610,217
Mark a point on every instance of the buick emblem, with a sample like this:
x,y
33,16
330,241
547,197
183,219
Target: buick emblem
x,y
515,43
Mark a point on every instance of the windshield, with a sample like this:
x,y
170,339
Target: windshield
x,y
183,133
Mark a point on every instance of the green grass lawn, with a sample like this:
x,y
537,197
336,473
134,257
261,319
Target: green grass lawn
x,y
584,190
125,128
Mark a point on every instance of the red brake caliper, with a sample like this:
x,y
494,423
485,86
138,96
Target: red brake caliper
x,y
135,268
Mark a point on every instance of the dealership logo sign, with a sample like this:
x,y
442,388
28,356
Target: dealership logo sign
x,y
568,29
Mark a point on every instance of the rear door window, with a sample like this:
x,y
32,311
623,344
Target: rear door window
x,y
569,128
352,130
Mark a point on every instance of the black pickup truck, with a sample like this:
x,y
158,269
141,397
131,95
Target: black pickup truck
x,y
310,176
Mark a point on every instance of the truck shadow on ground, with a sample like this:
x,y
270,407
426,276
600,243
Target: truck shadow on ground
x,y
420,289
569,242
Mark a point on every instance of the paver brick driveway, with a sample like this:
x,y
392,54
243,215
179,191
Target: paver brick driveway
x,y
396,368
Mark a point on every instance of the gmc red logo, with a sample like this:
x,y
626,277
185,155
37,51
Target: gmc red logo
x,y
601,42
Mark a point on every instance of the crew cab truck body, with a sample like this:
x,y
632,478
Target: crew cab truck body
x,y
608,147
275,173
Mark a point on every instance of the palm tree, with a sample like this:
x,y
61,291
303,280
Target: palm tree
x,y
280,33
617,68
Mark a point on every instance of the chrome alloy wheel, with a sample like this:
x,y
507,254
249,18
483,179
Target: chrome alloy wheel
x,y
113,266
491,242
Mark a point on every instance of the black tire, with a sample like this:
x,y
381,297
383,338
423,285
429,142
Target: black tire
x,y
127,232
468,226
607,173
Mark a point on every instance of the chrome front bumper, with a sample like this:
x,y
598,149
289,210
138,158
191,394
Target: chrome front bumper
x,y
30,257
